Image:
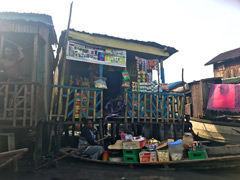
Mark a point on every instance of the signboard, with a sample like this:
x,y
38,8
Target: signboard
x,y
86,53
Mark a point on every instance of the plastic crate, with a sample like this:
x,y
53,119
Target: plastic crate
x,y
134,152
130,158
198,154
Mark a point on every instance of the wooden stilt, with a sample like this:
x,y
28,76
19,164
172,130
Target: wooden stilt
x,y
38,148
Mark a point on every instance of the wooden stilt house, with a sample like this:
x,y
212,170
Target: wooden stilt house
x,y
24,94
89,55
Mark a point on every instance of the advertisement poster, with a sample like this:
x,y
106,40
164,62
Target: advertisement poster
x,y
85,53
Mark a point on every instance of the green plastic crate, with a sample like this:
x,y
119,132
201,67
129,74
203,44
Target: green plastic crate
x,y
130,158
135,152
198,154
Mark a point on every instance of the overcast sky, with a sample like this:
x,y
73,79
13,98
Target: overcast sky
x,y
198,29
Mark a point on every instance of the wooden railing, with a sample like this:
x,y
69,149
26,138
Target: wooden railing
x,y
75,103
19,103
157,107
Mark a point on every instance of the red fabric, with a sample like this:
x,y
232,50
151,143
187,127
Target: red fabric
x,y
224,96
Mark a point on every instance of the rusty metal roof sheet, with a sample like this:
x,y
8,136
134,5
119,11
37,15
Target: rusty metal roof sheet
x,y
226,56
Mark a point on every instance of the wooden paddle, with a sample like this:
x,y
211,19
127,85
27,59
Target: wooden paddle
x,y
66,155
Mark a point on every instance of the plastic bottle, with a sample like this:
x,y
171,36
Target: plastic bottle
x,y
105,156
190,148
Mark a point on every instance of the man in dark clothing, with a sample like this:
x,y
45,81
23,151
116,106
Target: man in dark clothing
x,y
94,151
188,124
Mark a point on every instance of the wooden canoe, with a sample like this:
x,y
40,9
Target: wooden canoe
x,y
210,163
217,131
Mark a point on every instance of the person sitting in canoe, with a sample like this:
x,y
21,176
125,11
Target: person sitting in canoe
x,y
87,141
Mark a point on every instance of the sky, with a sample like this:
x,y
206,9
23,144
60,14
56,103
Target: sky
x,y
198,29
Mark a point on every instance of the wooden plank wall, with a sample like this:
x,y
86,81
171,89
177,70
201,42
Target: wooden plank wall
x,y
20,103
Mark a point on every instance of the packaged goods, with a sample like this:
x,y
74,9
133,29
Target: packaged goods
x,y
100,83
176,150
126,76
126,84
163,155
147,157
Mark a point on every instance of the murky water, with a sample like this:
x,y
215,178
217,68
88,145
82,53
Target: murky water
x,y
68,170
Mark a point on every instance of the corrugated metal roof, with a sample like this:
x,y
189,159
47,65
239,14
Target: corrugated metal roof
x,y
226,56
42,18
168,49
31,17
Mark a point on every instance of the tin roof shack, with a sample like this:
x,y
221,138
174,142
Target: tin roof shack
x,y
27,91
88,55
227,66
197,98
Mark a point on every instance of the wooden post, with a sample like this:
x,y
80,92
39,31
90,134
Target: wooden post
x,y
25,105
74,105
67,102
52,103
145,107
88,99
5,101
139,105
126,101
81,106
133,97
15,106
11,147
94,106
101,131
37,104
38,148
35,58
101,106
157,111
1,46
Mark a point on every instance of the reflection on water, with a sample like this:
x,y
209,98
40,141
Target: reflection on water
x,y
68,170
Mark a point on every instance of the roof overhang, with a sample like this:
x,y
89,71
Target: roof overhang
x,y
118,43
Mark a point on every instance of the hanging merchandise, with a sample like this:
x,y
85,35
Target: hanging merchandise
x,y
143,76
134,86
126,84
139,76
125,76
100,83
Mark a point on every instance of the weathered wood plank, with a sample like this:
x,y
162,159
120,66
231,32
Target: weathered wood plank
x,y
74,105
5,102
139,105
133,97
157,110
126,108
66,105
145,107
88,99
94,106
101,105
81,106
25,106
32,104
52,103
15,106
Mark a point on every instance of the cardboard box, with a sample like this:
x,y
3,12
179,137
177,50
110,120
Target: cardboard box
x,y
134,144
164,144
148,157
